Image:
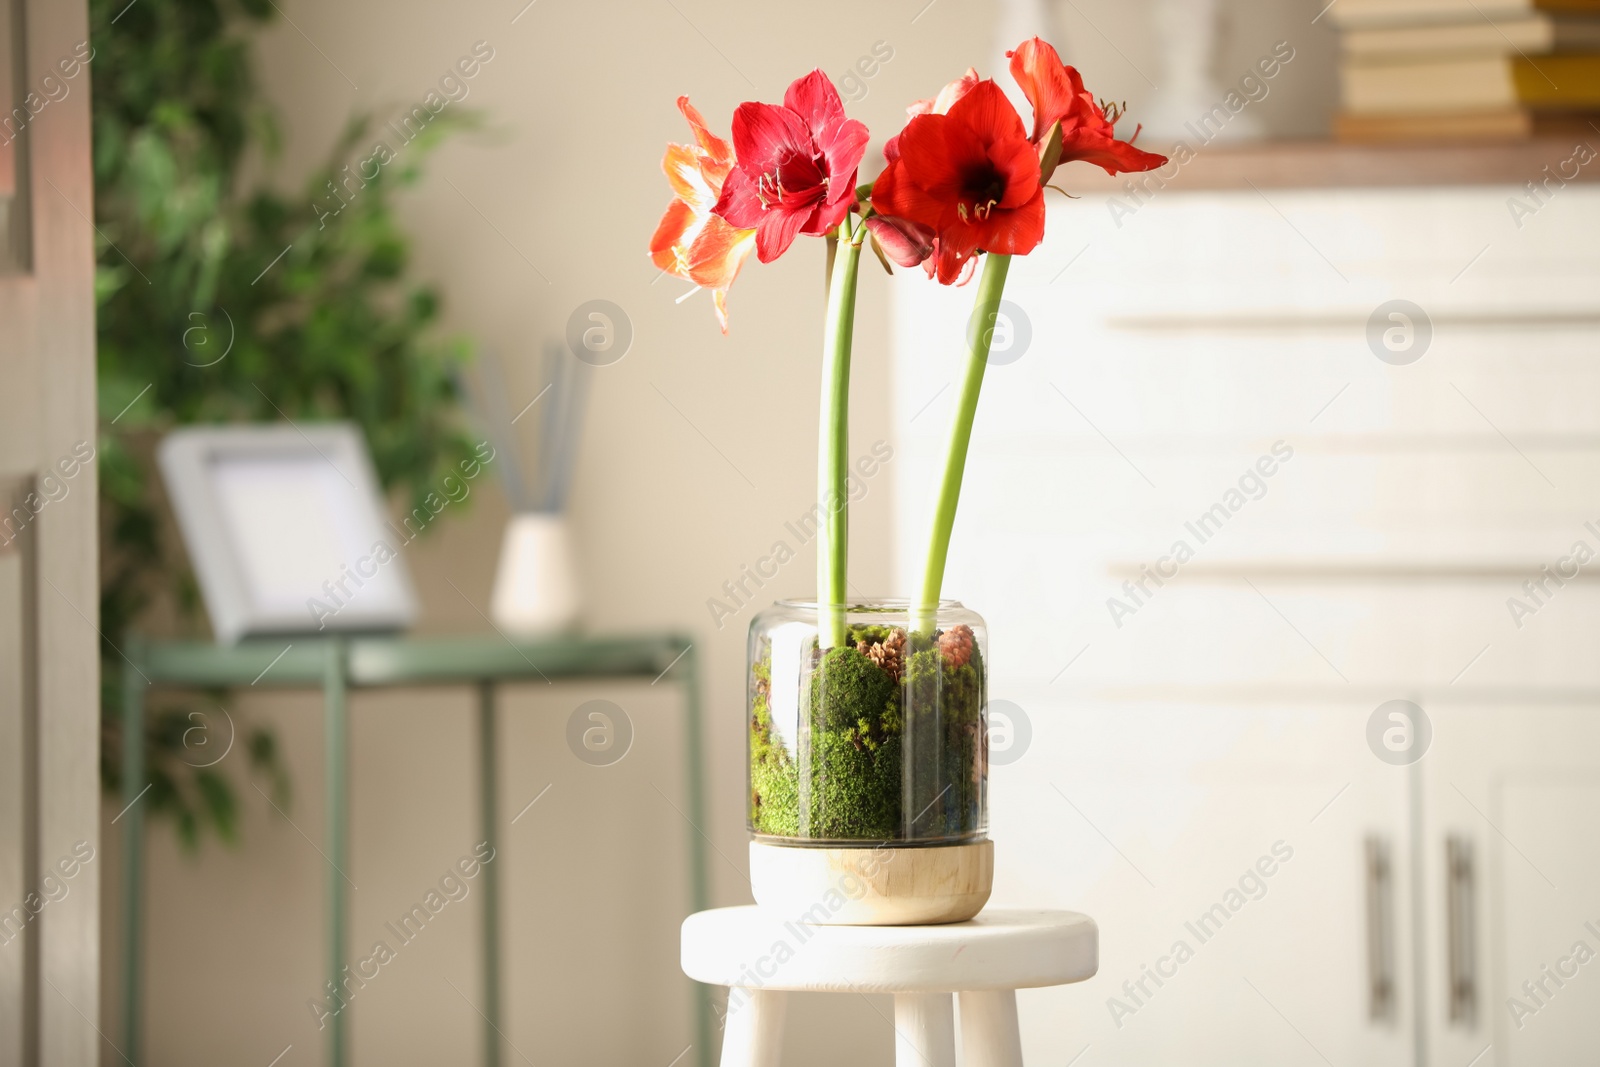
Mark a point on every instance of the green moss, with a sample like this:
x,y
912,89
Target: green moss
x,y
774,778
893,722
847,688
943,712
775,798
924,680
962,753
867,635
954,694
848,781
855,792
761,707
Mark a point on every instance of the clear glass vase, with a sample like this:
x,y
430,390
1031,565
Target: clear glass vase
x,y
880,738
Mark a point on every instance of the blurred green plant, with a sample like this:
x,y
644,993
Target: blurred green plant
x,y
221,303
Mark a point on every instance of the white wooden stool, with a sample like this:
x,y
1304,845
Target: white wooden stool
x,y
760,956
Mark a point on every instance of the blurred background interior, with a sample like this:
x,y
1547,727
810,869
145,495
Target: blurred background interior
x,y
1370,270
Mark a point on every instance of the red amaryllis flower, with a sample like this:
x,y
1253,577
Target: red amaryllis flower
x,y
796,170
939,105
971,176
1056,92
909,243
691,242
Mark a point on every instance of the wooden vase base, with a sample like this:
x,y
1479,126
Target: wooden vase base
x,y
873,886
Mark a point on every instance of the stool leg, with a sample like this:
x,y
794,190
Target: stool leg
x,y
924,1030
989,1034
752,1031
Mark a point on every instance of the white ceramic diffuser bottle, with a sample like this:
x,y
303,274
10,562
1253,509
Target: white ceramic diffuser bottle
x,y
536,591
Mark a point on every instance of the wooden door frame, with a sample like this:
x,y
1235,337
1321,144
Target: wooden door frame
x,y
47,350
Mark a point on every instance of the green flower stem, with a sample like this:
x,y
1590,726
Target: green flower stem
x,y
980,334
833,461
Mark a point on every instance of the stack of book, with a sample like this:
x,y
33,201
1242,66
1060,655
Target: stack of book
x,y
1467,69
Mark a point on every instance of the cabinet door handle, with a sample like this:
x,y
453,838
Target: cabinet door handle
x,y
1461,921
1380,930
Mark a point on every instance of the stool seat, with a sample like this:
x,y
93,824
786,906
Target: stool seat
x,y
761,956
752,948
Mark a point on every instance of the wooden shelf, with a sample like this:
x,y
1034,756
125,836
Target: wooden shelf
x,y
1330,165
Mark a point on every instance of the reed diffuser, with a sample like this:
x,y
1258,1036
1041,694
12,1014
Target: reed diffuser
x,y
535,587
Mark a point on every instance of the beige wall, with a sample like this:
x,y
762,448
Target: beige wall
x,y
565,183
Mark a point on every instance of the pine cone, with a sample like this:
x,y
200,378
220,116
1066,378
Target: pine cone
x,y
889,655
955,645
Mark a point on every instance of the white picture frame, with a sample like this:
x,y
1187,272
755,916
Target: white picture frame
x,y
286,528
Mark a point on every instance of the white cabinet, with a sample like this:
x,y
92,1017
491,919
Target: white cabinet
x,y
1329,530
1520,780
